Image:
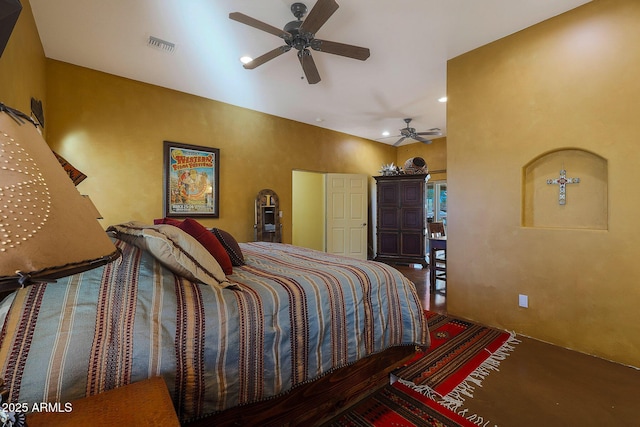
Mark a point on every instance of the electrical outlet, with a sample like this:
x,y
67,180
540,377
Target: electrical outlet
x,y
523,301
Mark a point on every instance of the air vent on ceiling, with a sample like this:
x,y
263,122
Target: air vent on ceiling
x,y
160,44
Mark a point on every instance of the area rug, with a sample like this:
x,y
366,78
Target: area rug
x,y
397,405
429,390
461,355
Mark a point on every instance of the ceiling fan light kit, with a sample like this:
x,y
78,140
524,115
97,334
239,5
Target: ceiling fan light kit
x,y
299,10
300,35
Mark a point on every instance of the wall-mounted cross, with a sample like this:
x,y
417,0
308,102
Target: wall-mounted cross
x,y
562,182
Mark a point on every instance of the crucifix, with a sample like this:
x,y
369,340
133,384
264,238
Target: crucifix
x,y
562,182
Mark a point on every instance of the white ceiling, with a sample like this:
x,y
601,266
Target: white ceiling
x,y
410,43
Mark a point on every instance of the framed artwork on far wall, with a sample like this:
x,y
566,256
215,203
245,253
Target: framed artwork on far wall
x,y
191,180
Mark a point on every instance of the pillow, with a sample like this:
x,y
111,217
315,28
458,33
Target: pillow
x,y
224,249
176,249
230,245
209,241
170,221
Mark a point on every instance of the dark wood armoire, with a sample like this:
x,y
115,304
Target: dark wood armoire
x,y
401,219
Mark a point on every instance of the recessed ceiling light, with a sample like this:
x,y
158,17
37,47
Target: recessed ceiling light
x,y
319,119
246,59
443,99
386,133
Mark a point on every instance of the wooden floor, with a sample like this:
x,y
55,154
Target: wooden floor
x,y
543,384
433,301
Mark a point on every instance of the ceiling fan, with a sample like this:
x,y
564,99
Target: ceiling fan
x,y
411,133
301,36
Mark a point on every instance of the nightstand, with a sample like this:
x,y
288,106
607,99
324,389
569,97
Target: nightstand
x,y
144,403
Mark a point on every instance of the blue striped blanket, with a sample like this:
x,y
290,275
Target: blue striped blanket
x,y
298,314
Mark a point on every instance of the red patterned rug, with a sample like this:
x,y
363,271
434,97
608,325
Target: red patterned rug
x,y
430,389
398,405
461,355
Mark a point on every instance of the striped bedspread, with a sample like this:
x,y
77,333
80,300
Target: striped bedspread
x,y
297,315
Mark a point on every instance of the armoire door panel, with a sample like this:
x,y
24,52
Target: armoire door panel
x,y
412,193
412,219
411,244
388,194
389,218
388,243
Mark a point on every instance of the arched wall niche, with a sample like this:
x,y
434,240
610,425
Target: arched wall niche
x,y
586,202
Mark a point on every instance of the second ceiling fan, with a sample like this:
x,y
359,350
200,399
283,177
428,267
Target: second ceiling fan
x,y
409,132
301,36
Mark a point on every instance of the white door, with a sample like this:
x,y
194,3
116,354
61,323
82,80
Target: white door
x,y
347,213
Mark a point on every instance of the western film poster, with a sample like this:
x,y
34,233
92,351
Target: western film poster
x,y
191,180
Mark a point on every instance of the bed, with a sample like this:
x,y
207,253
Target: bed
x,y
284,319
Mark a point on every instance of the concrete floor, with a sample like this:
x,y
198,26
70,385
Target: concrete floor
x,y
540,384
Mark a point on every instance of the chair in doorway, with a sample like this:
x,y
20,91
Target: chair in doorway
x,y
437,254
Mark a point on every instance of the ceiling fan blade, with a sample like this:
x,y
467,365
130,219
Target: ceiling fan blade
x,y
399,141
350,51
309,66
267,57
252,22
432,131
421,139
320,13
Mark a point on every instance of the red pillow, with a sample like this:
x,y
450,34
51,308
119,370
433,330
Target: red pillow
x,y
209,241
204,237
170,221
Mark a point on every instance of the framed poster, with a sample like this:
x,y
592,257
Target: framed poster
x,y
191,180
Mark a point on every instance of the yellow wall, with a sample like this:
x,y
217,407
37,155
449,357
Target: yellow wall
x,y
22,65
570,82
309,210
113,130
